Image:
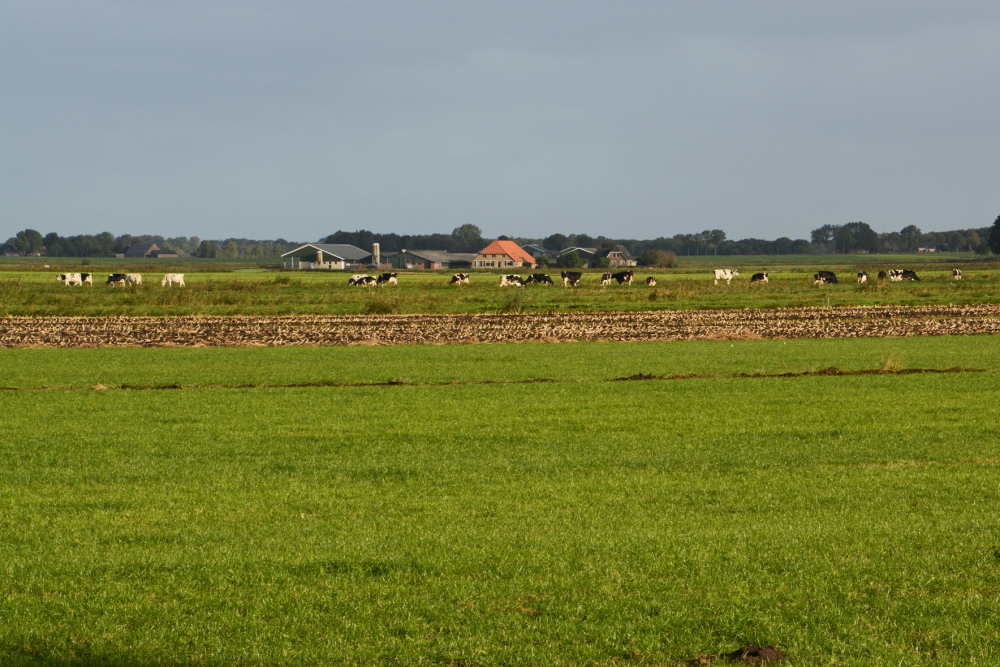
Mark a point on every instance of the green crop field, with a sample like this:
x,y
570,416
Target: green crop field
x,y
466,515
241,289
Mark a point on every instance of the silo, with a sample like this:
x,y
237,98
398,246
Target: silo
x,y
375,255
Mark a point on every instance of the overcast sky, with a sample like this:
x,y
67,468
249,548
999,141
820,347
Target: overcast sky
x,y
631,119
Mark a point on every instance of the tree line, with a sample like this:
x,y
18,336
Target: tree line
x,y
30,242
853,237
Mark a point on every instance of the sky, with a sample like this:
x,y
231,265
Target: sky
x,y
630,119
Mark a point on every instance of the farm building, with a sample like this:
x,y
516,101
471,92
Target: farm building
x,y
325,256
538,251
142,250
587,253
617,256
427,259
502,255
926,247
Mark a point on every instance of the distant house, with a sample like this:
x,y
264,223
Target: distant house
x,y
926,247
325,256
502,255
9,251
164,254
142,250
428,259
538,252
617,256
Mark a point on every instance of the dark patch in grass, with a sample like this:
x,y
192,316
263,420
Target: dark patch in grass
x,y
748,655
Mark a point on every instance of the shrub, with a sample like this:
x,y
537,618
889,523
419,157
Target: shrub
x,y
570,260
661,258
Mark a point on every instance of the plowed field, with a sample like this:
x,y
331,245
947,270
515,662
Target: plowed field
x,y
442,329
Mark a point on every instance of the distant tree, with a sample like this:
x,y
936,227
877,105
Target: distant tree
x,y
824,235
28,242
994,242
570,260
603,263
542,262
231,250
857,236
556,242
982,249
584,241
909,236
467,238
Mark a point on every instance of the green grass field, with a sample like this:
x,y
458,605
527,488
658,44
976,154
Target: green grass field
x,y
213,290
851,520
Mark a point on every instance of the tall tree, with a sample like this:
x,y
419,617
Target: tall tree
x,y
994,241
909,236
468,238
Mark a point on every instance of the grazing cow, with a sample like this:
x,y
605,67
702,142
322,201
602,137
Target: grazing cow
x,y
623,277
862,277
172,279
605,280
725,274
651,281
459,279
87,278
571,278
956,274
909,275
70,279
539,279
133,278
116,279
389,278
356,279
825,278
759,278
368,281
895,275
511,281
882,275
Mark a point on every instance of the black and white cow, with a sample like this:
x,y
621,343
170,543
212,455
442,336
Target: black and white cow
x,y
895,275
956,274
909,275
116,279
759,277
623,277
825,278
133,279
862,277
651,281
882,275
571,278
605,280
459,279
539,279
356,279
384,278
725,274
70,279
87,278
511,281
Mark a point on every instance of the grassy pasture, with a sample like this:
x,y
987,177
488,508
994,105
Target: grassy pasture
x,y
850,520
262,292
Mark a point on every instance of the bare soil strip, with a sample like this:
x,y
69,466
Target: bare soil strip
x,y
201,331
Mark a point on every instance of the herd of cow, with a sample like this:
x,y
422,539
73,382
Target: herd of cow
x,y
117,279
569,278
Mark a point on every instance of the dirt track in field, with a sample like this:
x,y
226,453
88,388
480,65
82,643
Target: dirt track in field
x,y
872,321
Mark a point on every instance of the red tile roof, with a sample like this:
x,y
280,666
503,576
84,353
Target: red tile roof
x,y
509,248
